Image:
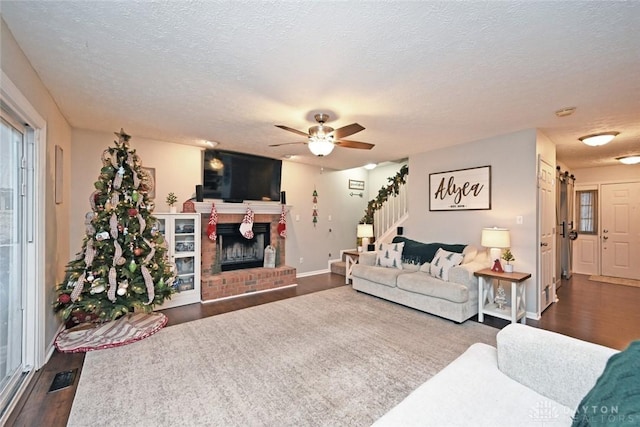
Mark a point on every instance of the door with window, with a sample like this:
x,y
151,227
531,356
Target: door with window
x,y
12,250
586,256
620,230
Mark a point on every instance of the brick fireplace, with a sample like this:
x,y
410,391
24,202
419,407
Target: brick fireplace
x,y
216,284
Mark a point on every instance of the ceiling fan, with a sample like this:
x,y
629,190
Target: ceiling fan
x,y
321,139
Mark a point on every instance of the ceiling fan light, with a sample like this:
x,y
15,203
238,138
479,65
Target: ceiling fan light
x,y
598,139
320,146
629,160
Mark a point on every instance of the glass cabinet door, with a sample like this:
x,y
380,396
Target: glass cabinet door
x,y
184,247
182,234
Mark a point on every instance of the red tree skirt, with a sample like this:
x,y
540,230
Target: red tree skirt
x,y
125,330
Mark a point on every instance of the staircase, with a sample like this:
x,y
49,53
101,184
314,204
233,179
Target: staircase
x,y
393,213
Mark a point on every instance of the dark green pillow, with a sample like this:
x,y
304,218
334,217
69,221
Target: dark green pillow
x,y
615,398
418,253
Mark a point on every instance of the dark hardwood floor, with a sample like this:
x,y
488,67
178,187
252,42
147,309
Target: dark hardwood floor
x,y
597,312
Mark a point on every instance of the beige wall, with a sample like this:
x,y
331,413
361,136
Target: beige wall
x,y
178,169
607,174
512,159
56,240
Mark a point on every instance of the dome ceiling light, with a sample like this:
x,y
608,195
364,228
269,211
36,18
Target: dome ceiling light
x,y
598,139
629,160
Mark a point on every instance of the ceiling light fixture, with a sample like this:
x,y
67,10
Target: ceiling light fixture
x,y
370,166
629,160
211,143
321,146
598,138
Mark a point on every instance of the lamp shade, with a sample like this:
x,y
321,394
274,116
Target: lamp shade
x,y
365,230
495,238
320,146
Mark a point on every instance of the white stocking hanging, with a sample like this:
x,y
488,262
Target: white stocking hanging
x,y
246,228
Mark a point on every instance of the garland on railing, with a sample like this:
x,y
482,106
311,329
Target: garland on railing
x,y
384,193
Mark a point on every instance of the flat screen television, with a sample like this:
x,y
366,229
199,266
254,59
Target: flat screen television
x,y
235,177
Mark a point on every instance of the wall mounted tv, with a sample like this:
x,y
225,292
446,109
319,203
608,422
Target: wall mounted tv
x,y
235,177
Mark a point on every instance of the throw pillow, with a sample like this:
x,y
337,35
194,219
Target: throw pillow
x,y
389,255
470,252
442,263
615,398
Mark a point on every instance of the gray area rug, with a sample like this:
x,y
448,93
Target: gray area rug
x,y
331,358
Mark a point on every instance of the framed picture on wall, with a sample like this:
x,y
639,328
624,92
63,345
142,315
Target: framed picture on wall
x,y
356,185
462,189
59,168
150,181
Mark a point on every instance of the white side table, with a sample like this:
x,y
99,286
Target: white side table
x,y
486,299
351,259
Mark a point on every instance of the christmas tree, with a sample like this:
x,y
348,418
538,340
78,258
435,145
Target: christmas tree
x,y
123,264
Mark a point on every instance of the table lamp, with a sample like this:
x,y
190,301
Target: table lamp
x,y
496,239
365,231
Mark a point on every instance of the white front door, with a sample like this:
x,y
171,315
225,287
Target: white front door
x,y
546,221
620,230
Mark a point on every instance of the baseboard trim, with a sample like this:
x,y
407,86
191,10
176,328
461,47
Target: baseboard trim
x,y
313,273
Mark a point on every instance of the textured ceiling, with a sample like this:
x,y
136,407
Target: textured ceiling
x,y
416,75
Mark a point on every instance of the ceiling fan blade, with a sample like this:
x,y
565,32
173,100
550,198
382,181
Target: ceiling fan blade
x,y
288,143
347,130
299,132
354,144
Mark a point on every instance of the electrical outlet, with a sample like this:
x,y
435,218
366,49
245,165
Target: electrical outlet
x,y
329,218
301,260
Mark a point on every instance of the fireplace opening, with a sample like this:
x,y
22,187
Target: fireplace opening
x,y
236,251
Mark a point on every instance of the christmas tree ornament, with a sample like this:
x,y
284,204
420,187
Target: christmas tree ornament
x,y
137,251
90,278
122,287
282,223
132,212
246,228
64,298
135,196
132,266
103,235
212,224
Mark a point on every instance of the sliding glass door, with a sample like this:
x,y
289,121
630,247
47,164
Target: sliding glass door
x,y
12,250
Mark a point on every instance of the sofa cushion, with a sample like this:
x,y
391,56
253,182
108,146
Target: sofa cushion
x,y
443,262
423,283
389,255
380,275
418,253
615,399
458,396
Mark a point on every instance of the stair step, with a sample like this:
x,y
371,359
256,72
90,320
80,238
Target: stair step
x,y
339,267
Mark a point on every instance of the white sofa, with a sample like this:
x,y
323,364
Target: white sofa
x,y
455,299
533,378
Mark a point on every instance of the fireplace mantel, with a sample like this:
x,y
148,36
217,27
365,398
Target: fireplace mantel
x,y
257,207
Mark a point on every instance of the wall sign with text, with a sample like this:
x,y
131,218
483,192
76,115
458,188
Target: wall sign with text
x,y
460,190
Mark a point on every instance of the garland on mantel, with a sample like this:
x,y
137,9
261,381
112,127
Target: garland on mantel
x,y
384,193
